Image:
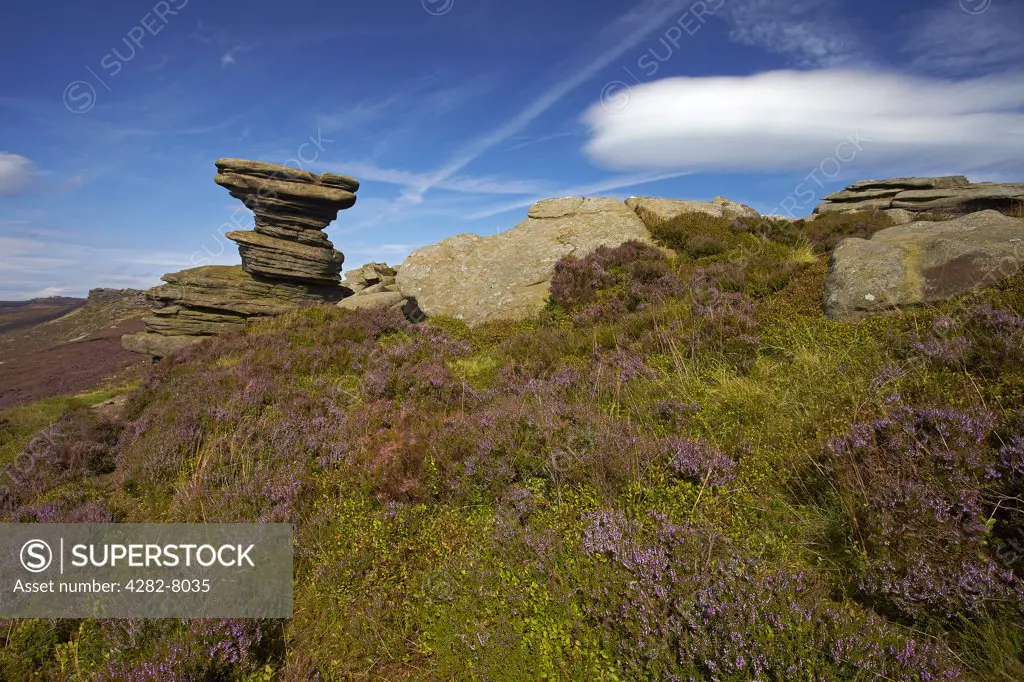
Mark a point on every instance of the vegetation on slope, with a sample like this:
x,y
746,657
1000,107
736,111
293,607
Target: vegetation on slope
x,y
680,470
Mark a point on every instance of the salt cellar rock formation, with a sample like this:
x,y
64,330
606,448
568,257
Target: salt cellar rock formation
x,y
287,260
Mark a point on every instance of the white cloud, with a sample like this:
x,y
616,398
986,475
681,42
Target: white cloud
x,y
227,59
16,173
949,40
806,32
792,120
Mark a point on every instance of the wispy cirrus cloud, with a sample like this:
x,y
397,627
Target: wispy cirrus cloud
x,y
949,40
623,34
808,33
461,183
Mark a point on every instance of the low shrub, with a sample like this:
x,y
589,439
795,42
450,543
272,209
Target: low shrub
x,y
919,486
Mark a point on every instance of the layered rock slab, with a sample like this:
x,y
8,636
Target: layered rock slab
x,y
287,260
507,276
922,262
202,302
953,194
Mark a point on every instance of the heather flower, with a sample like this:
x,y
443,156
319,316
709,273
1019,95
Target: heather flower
x,y
1013,455
918,485
698,461
611,282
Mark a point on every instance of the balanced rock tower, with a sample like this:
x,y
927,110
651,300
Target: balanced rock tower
x,y
292,208
287,260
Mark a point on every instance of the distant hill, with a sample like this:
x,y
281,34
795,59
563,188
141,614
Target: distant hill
x,y
21,314
61,345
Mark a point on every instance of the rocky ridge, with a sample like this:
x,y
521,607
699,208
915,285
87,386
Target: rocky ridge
x,y
287,260
953,194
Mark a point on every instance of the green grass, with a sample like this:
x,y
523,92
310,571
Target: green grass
x,y
18,425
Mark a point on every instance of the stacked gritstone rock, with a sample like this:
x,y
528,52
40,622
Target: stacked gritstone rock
x,y
953,194
292,208
287,260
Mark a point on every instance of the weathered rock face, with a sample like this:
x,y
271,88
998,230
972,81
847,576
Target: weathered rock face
x,y
288,260
229,288
952,194
157,345
922,262
653,210
292,207
202,302
506,276
899,216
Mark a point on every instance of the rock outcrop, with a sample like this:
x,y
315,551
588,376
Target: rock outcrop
x,y
922,262
287,260
292,207
215,299
653,210
506,276
373,286
121,298
952,194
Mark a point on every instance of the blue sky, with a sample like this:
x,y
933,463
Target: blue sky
x,y
457,114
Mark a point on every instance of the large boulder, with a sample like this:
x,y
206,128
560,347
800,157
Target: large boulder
x,y
506,276
374,299
922,262
654,211
157,345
